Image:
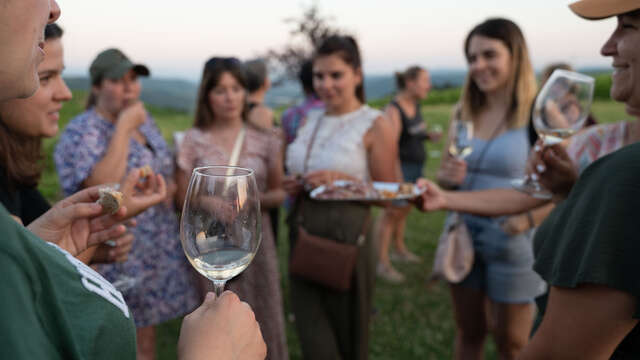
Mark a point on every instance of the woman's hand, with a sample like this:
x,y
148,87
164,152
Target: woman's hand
x,y
115,250
132,117
452,171
515,224
77,223
432,199
554,169
293,184
141,195
223,328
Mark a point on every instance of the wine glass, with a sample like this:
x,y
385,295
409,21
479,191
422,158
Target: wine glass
x,y
123,282
220,227
460,138
560,110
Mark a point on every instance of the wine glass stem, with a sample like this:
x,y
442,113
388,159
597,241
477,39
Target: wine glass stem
x,y
218,285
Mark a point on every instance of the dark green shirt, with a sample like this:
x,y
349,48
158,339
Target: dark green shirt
x,y
52,306
593,237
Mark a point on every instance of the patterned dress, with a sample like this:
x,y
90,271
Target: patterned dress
x,y
259,284
595,142
167,286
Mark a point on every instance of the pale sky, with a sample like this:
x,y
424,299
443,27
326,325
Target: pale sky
x,y
175,38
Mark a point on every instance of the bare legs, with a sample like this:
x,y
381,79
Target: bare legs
x,y
511,324
391,227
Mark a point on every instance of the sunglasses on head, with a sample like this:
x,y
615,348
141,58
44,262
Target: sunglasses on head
x,y
214,61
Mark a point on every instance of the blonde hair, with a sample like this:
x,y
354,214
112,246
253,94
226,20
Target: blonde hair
x,y
522,80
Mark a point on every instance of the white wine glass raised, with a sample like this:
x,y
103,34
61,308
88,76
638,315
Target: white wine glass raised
x,y
220,227
560,110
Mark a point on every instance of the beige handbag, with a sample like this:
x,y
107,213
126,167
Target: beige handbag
x,y
454,255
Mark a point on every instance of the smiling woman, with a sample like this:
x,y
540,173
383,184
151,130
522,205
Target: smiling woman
x,y
23,124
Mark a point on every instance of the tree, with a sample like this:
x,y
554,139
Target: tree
x,y
307,33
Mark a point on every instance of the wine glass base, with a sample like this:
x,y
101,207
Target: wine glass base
x,y
531,188
125,283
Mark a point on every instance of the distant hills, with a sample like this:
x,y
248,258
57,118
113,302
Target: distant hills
x,y
181,94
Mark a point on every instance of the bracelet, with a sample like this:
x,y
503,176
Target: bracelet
x,y
532,223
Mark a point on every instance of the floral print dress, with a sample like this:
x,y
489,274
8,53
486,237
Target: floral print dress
x,y
166,286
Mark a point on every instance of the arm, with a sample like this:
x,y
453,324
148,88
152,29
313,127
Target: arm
x,y
182,183
275,194
393,115
494,202
587,322
382,150
112,166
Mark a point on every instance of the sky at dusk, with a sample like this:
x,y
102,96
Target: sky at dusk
x,y
174,38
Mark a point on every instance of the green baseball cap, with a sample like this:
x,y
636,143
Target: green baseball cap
x,y
114,64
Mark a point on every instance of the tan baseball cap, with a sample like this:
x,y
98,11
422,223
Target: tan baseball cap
x,y
600,9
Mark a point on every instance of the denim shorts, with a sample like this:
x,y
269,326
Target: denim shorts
x,y
503,264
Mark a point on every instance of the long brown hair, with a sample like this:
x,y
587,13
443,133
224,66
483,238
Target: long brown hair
x,y
213,70
21,155
522,81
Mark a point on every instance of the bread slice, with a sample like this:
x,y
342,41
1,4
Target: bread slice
x,y
110,199
145,171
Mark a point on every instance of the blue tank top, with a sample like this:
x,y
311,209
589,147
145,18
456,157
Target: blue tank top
x,y
504,160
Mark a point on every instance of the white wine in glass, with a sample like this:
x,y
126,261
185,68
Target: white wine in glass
x,y
560,110
220,227
461,136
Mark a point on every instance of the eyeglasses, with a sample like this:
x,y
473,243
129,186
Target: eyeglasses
x,y
225,61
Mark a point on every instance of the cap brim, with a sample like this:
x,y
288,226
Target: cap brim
x,y
141,70
602,9
122,69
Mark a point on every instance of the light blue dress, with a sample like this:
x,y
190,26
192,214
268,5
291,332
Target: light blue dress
x,y
503,264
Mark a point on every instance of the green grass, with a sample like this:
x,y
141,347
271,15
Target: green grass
x,y
412,321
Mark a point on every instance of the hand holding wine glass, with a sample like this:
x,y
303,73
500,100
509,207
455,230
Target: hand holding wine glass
x,y
460,135
220,228
560,110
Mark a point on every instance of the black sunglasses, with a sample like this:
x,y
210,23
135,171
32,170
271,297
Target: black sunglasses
x,y
225,61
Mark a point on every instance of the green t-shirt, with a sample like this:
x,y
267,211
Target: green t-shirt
x,y
593,237
53,306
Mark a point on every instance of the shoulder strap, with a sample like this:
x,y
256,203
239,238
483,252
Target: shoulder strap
x,y
237,147
310,145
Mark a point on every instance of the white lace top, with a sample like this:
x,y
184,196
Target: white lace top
x,y
338,146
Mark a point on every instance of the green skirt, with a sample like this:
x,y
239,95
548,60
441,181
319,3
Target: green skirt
x,y
332,324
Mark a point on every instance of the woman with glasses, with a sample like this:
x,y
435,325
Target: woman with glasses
x,y
112,137
220,127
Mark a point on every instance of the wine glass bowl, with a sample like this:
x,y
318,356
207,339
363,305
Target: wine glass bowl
x,y
460,139
220,227
560,110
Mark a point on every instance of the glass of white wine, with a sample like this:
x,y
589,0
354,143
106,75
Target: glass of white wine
x,y
461,135
220,227
560,110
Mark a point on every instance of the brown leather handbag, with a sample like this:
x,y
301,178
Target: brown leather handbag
x,y
326,261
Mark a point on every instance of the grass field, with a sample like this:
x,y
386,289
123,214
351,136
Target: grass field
x,y
411,322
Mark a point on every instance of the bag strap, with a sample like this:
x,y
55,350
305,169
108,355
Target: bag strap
x,y
310,145
484,150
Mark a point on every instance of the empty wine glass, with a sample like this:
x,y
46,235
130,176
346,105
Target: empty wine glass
x,y
220,228
461,135
560,110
